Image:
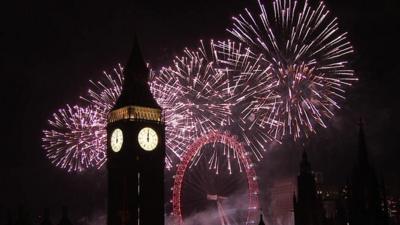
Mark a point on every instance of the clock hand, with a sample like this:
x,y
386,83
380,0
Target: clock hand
x,y
148,136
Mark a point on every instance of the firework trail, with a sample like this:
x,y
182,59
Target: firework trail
x,y
178,133
251,91
76,139
306,51
196,96
104,93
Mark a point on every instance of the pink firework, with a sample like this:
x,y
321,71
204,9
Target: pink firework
x,y
195,94
76,139
252,93
177,130
306,51
104,93
221,86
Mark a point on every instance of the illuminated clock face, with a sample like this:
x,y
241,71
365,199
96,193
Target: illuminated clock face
x,y
117,138
148,138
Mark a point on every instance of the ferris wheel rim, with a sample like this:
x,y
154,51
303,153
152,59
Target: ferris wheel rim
x,y
227,139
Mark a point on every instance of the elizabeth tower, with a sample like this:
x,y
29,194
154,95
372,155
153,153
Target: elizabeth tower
x,y
135,151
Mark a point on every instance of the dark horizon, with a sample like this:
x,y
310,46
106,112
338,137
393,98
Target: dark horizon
x,y
51,50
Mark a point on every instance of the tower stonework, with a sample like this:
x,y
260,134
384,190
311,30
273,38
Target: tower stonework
x,y
135,151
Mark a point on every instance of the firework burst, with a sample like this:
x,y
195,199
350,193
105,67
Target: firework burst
x,y
251,91
194,94
306,51
178,132
221,86
76,139
104,93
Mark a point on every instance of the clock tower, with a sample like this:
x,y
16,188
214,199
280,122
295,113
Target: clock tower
x,y
135,151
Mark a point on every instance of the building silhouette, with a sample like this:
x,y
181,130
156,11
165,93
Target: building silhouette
x,y
23,217
333,199
307,206
366,200
362,201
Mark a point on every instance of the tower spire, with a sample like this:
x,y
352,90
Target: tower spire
x,y
136,69
305,166
135,89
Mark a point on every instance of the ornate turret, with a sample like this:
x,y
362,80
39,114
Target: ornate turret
x,y
135,90
135,151
365,197
307,206
136,100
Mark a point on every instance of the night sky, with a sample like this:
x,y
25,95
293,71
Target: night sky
x,y
51,48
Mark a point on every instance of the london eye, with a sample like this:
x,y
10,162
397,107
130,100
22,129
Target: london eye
x,y
209,189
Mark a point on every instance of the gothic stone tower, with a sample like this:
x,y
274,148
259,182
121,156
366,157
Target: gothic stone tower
x,y
366,197
307,207
135,151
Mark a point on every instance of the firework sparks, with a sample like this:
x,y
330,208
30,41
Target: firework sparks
x,y
200,90
251,91
178,133
306,51
221,86
195,94
76,139
104,93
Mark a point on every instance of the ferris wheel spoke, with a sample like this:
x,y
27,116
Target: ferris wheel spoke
x,y
205,184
